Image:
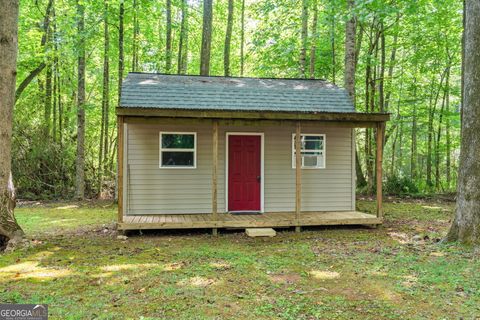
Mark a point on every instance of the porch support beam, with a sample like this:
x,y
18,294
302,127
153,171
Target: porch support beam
x,y
298,177
215,174
379,171
120,155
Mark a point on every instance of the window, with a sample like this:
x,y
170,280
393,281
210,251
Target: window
x,y
178,150
312,149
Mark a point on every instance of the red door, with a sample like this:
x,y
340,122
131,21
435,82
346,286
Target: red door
x,y
244,173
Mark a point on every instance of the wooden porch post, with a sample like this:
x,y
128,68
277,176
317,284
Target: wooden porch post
x,y
298,177
120,155
214,175
379,171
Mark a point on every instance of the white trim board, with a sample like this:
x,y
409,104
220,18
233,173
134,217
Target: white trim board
x,y
194,150
262,165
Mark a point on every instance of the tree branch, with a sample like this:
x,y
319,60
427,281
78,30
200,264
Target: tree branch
x,y
28,79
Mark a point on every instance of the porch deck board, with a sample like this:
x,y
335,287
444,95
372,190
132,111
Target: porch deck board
x,y
226,220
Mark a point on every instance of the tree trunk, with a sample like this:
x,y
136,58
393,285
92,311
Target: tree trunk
x,y
359,172
80,161
60,107
103,150
332,42
121,14
136,32
393,56
371,102
448,139
314,39
48,101
183,41
413,153
55,79
358,44
206,38
168,41
242,40
466,225
304,35
350,31
439,131
394,150
48,77
228,40
9,228
430,129
349,78
381,83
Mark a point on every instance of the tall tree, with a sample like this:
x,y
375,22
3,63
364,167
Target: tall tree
x,y
445,101
48,84
136,34
314,39
206,37
304,39
350,60
168,44
242,40
183,41
9,228
121,14
332,41
80,161
350,69
103,150
228,40
413,147
466,225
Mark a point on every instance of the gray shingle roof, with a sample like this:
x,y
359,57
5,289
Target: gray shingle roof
x,y
143,90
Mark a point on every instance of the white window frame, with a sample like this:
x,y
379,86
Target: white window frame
x,y
294,163
194,150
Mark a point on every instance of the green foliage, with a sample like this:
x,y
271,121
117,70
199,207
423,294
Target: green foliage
x,y
425,36
43,169
396,185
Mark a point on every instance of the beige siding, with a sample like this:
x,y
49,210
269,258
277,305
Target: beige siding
x,y
152,190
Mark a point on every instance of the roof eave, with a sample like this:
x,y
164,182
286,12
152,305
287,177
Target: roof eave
x,y
254,115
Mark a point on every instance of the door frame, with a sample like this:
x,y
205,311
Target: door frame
x,y
262,160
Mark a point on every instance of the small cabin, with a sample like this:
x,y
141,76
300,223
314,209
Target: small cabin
x,y
227,152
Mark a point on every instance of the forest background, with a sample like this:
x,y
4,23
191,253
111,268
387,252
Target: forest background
x,y
73,55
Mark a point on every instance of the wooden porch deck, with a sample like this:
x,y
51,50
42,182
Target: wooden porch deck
x,y
226,220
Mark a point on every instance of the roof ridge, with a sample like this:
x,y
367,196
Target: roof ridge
x,y
231,77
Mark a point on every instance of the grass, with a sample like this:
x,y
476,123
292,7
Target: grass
x,y
82,271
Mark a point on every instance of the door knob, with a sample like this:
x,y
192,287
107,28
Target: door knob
x,y
259,178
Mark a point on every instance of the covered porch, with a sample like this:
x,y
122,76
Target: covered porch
x,y
218,219
227,220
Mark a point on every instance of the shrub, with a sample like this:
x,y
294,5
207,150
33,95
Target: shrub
x,y
396,185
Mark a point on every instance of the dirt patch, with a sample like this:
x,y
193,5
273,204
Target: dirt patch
x,y
197,282
173,266
400,237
